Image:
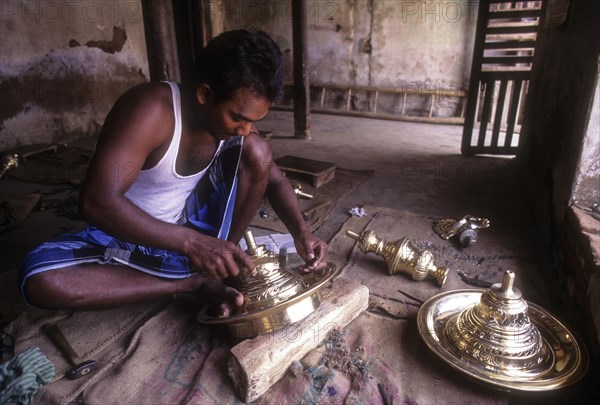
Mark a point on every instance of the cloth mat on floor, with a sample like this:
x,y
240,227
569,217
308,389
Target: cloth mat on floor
x,y
344,182
15,208
160,354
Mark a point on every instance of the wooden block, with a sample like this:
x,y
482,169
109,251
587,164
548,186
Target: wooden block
x,y
314,172
256,364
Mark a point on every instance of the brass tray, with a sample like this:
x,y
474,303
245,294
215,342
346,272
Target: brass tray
x,y
266,320
569,358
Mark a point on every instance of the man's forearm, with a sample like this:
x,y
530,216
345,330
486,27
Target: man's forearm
x,y
285,204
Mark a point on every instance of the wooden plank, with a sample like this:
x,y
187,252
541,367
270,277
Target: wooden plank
x,y
474,81
256,364
375,102
498,116
485,114
518,29
516,14
510,44
499,151
512,112
349,95
379,115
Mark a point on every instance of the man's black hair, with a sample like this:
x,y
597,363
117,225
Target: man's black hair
x,y
241,58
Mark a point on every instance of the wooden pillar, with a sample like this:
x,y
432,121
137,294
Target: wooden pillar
x,y
202,24
161,43
301,85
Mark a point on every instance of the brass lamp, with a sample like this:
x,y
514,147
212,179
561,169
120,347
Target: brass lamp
x,y
401,256
496,337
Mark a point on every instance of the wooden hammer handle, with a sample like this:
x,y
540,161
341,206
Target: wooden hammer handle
x,y
61,342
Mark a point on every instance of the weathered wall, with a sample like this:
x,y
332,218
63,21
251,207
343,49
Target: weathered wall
x,y
586,190
63,64
556,124
384,43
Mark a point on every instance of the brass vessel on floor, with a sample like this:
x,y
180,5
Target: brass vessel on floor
x,y
496,337
275,296
401,256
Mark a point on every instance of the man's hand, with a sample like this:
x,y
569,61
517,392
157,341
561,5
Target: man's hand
x,y
217,257
312,250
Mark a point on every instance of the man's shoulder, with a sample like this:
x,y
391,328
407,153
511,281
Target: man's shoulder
x,y
157,93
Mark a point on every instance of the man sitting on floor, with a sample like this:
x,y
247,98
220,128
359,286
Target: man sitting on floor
x,y
177,175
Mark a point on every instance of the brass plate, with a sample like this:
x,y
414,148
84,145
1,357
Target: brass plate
x,y
570,358
285,313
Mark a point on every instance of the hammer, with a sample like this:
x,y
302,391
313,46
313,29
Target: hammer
x,y
80,367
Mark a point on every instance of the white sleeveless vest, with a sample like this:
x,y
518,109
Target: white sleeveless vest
x,y
160,191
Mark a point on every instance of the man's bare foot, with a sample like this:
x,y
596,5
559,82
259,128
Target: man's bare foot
x,y
224,300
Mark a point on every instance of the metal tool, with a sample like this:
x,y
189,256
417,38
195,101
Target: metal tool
x,y
81,367
307,213
299,193
8,162
11,161
464,227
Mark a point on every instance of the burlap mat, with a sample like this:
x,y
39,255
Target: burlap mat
x,y
344,182
159,354
15,208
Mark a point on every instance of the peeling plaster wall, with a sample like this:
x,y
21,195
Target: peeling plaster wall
x,y
63,64
385,43
586,190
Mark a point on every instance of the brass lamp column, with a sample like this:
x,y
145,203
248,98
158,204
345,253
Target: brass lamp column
x,y
401,256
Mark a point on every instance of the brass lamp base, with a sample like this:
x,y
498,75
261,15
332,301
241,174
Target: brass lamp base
x,y
496,337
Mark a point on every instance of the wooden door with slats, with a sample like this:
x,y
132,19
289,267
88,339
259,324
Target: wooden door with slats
x,y
502,58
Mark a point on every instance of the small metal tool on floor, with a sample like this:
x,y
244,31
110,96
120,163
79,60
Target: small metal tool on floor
x,y
299,193
10,161
81,367
464,228
307,213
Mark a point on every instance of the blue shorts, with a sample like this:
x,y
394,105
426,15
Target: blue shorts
x,y
209,210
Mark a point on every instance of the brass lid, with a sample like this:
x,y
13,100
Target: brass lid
x,y
265,319
497,337
274,296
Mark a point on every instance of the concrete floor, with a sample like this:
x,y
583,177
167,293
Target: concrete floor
x,y
418,167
